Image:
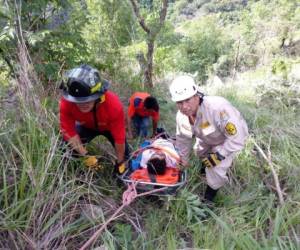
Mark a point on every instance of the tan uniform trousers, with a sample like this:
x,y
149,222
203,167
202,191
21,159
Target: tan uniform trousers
x,y
216,177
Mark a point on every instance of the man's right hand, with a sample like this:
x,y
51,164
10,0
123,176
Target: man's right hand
x,y
212,160
76,144
92,163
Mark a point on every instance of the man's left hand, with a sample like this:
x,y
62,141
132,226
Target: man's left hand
x,y
212,160
119,168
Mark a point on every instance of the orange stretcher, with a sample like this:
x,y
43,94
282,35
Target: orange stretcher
x,y
173,180
171,176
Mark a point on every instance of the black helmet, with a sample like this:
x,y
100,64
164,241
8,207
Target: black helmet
x,y
84,85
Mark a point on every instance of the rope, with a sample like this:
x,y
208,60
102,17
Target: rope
x,y
128,196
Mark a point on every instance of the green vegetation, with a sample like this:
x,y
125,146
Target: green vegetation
x,y
52,203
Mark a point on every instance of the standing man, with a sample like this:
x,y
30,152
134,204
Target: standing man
x,y
88,109
218,127
141,107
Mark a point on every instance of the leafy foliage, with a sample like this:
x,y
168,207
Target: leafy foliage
x,y
110,25
202,47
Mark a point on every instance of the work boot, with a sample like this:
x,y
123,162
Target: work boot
x,y
210,194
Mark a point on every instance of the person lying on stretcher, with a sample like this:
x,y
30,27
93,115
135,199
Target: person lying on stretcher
x,y
159,163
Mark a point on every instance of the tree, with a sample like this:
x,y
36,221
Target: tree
x,y
108,28
45,28
151,34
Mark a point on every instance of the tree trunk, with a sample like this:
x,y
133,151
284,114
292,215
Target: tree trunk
x,y
151,35
149,69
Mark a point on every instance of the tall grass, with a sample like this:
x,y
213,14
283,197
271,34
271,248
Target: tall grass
x,y
43,195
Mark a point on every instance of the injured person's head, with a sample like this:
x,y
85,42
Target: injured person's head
x,y
157,163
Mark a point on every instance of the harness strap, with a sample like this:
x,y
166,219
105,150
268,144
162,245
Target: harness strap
x,y
152,177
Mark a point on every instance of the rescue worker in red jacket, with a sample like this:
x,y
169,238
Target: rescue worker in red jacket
x,y
217,126
141,107
88,109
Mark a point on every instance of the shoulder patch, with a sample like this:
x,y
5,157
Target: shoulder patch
x,y
230,128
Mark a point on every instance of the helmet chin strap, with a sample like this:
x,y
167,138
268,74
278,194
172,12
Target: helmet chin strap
x,y
201,96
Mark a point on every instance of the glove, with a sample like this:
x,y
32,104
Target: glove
x,y
92,163
212,160
119,168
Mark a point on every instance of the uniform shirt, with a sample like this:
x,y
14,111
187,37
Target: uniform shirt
x,y
218,125
136,106
166,147
110,117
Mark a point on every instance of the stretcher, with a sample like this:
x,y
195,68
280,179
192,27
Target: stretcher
x,y
170,183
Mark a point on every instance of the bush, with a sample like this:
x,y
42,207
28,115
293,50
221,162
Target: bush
x,y
201,48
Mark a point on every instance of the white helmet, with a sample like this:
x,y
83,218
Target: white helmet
x,y
182,88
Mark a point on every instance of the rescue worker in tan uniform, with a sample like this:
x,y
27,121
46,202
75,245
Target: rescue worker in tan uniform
x,y
218,128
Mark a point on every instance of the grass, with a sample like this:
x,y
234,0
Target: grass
x,y
47,201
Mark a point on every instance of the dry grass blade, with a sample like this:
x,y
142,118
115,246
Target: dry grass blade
x,y
275,176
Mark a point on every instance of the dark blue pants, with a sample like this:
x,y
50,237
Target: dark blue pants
x,y
86,135
141,125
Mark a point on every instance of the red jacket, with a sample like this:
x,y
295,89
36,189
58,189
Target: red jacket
x,y
139,109
110,116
